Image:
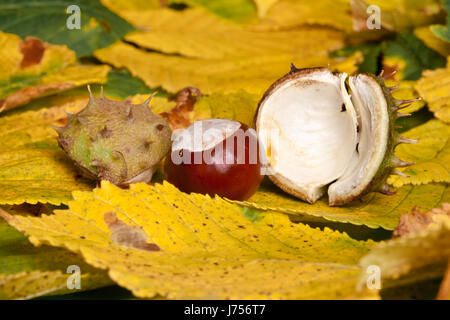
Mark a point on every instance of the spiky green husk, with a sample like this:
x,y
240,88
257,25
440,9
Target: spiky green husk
x,y
390,162
116,141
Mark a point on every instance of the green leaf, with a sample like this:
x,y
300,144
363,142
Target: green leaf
x,y
236,10
371,53
410,56
443,32
47,20
27,271
121,84
416,119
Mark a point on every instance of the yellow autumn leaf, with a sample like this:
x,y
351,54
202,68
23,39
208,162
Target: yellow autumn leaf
x,y
239,106
429,38
373,210
157,104
158,240
72,101
32,166
285,14
174,73
434,87
32,56
431,155
263,6
32,69
199,34
416,256
396,15
28,272
28,285
121,6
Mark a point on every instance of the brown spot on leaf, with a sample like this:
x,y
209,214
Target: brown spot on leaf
x,y
128,236
411,222
33,50
105,25
417,220
105,133
178,117
147,144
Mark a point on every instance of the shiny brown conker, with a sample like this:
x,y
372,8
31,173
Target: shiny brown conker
x,y
215,157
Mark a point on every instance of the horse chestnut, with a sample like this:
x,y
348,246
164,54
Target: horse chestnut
x,y
216,157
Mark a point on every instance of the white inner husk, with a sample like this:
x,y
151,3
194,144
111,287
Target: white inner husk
x,y
311,142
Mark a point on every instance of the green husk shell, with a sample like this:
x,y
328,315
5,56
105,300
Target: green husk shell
x,y
385,164
390,162
115,141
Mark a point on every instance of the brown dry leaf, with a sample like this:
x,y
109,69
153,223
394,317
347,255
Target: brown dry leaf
x,y
179,116
420,253
417,220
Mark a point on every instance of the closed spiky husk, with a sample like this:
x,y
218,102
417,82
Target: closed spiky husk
x,y
115,141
